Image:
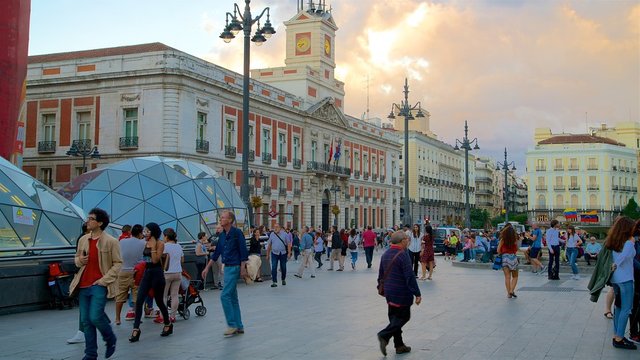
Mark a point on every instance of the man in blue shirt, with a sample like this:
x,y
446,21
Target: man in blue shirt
x,y
535,248
591,250
306,249
553,243
278,251
483,247
232,246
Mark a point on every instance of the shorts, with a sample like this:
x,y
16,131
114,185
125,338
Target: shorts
x,y
533,253
510,261
126,282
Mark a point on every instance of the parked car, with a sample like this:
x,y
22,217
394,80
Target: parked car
x,y
440,234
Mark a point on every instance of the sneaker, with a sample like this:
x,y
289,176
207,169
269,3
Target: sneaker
x,y
77,338
274,284
313,276
383,345
353,266
111,348
131,315
624,344
151,314
240,331
284,282
339,270
298,276
231,332
635,339
403,349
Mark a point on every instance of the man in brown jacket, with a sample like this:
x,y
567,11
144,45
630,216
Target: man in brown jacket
x,y
98,257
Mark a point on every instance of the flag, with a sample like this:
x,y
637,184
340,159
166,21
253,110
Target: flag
x,y
330,152
337,154
590,217
571,214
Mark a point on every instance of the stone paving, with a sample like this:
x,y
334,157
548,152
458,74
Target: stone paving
x,y
464,315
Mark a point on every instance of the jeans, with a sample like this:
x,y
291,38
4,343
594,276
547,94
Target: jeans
x,y
554,262
572,254
398,317
354,257
229,297
318,258
92,301
634,320
368,253
624,292
282,259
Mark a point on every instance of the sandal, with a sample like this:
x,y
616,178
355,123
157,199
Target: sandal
x,y
608,315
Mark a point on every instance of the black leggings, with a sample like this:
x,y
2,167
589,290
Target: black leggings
x,y
415,260
153,279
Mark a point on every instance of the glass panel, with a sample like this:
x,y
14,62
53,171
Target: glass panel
x,y
8,236
142,163
190,223
130,188
151,187
184,235
163,201
125,203
152,213
133,216
157,173
177,173
169,224
105,204
117,177
186,192
67,225
12,194
51,201
199,171
25,230
100,182
182,207
221,200
91,198
48,235
204,204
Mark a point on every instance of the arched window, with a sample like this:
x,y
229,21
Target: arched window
x,y
574,201
542,202
593,201
559,202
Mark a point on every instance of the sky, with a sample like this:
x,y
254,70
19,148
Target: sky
x,y
507,67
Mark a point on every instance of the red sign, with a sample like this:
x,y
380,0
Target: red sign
x,y
273,213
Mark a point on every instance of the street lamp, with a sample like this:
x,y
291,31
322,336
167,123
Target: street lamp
x,y
505,167
245,22
335,189
84,150
465,144
404,109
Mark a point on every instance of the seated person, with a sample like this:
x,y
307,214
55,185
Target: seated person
x,y
467,249
483,247
591,250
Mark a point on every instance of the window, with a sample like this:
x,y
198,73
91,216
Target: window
x,y
281,215
365,215
374,165
593,201
541,202
313,215
296,215
559,202
558,165
314,150
230,176
366,162
282,144
357,159
281,184
296,147
202,126
573,164
296,184
558,180
540,164
46,176
49,127
592,181
131,122
347,159
266,140
326,152
84,125
591,165
230,129
78,171
541,180
574,181
373,218
574,201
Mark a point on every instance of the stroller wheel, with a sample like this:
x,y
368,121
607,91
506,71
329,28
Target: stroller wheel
x,y
201,310
186,314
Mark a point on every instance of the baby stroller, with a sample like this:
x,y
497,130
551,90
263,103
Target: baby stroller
x,y
189,294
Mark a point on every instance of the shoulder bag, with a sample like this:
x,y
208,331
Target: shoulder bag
x,y
286,247
386,274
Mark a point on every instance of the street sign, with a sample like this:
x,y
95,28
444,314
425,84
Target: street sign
x,y
273,213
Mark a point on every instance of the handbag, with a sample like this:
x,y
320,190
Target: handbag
x,y
386,273
497,263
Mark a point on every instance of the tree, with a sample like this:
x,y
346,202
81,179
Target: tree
x,y
479,218
631,210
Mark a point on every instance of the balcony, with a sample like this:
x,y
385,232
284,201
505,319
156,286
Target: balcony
x,y
282,160
382,200
282,192
297,163
558,187
202,146
382,178
46,147
484,203
266,158
592,167
365,176
252,155
374,177
484,192
614,168
558,169
541,187
83,145
394,180
366,199
297,192
252,189
356,174
357,198
395,201
374,199
323,169
347,196
541,168
483,179
627,169
131,143
574,188
573,168
266,190
593,187
420,179
614,187
230,151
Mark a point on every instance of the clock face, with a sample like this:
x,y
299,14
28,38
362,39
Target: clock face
x,y
327,47
303,44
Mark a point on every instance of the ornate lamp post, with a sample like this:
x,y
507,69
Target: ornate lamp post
x,y
404,109
505,167
465,144
244,21
79,148
335,189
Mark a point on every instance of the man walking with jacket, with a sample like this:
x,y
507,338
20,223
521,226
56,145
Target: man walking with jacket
x,y
399,282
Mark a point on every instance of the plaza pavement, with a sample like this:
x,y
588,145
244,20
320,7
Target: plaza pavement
x,y
464,315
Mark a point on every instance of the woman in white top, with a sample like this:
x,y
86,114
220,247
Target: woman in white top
x,y
573,241
173,272
354,242
414,248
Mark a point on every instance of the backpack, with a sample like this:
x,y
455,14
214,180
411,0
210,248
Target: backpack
x,y
352,245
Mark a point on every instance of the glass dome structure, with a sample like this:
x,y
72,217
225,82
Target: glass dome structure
x,y
34,216
181,194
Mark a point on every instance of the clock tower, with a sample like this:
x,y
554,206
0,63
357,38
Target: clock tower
x,y
310,56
